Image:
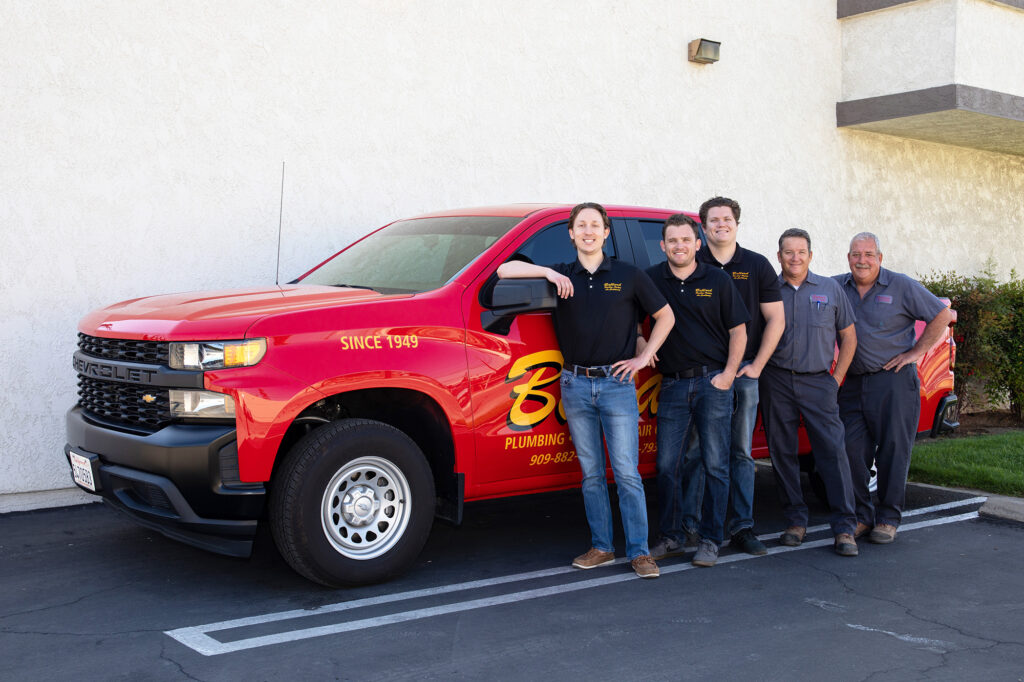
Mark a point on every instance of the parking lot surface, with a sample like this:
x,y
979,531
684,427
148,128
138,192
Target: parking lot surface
x,y
87,593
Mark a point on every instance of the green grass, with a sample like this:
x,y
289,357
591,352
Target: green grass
x,y
993,463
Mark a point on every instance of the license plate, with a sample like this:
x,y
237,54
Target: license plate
x,y
81,469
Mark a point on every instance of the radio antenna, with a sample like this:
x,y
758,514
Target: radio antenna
x,y
280,216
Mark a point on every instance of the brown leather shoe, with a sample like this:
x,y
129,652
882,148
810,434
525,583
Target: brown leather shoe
x,y
862,530
593,558
883,534
845,545
645,567
793,536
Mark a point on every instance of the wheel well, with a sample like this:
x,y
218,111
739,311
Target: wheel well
x,y
411,412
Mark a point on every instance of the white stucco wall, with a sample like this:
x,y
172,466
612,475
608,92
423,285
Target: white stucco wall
x,y
899,49
989,36
928,43
143,147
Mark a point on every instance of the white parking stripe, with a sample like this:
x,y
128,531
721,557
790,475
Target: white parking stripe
x,y
198,638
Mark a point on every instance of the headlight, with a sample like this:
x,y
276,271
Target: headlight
x,y
201,404
204,355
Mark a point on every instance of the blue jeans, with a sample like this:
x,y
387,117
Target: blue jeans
x,y
593,405
741,464
688,410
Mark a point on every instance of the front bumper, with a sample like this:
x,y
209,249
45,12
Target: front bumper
x,y
180,481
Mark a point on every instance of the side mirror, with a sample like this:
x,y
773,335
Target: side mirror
x,y
511,297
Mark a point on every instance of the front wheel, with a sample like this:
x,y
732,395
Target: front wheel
x,y
353,503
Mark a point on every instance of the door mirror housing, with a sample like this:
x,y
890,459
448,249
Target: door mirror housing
x,y
511,297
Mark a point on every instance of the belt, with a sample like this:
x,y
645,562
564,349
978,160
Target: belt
x,y
702,371
589,372
868,374
791,371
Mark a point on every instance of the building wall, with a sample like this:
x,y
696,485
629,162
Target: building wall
x,y
143,145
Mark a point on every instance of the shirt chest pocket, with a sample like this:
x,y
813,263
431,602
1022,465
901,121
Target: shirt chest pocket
x,y
822,314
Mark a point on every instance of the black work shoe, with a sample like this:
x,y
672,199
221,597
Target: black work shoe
x,y
746,541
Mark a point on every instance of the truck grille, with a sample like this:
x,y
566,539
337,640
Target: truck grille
x,y
124,404
147,352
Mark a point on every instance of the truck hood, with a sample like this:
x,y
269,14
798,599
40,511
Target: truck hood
x,y
210,315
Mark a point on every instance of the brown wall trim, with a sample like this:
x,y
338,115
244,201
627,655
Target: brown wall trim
x,y
930,100
849,8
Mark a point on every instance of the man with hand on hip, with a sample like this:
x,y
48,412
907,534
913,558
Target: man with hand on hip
x,y
880,403
600,302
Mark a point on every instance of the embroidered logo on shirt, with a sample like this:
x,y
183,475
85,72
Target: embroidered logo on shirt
x,y
741,275
882,298
613,286
702,293
819,298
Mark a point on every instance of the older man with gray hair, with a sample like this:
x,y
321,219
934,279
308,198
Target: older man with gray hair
x,y
880,402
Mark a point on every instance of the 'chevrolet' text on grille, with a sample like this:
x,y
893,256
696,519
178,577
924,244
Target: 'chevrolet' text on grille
x,y
102,370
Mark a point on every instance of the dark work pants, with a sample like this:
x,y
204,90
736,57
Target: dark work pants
x,y
881,412
784,398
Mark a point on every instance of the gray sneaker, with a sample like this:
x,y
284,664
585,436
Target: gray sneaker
x,y
666,547
707,553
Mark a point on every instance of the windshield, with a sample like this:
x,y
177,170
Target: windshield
x,y
412,255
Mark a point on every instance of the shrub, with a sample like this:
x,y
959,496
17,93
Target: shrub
x,y
989,334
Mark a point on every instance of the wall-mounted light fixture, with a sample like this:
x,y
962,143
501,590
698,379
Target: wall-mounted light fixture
x,y
703,51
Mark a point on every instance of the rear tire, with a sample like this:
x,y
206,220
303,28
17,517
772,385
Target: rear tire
x,y
352,504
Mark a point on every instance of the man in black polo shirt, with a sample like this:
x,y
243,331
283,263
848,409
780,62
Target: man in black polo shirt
x,y
698,364
796,382
601,301
758,285
880,403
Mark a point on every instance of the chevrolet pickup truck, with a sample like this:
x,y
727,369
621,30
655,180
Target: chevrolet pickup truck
x,y
389,385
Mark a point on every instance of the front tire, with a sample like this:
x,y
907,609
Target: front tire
x,y
353,503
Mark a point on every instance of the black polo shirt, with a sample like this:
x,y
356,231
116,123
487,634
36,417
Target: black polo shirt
x,y
706,306
597,324
757,282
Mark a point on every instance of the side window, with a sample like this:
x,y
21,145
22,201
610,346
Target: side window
x,y
552,245
651,231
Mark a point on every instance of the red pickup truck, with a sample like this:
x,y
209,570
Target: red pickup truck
x,y
390,384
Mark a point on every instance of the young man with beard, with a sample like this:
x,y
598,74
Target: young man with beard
x,y
698,363
880,403
757,283
596,325
796,382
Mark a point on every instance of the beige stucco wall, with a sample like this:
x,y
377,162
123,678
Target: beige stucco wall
x,y
143,145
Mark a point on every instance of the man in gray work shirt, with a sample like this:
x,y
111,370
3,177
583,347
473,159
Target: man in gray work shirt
x,y
880,403
796,382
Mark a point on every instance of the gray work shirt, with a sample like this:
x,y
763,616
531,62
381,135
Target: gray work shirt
x,y
814,315
886,316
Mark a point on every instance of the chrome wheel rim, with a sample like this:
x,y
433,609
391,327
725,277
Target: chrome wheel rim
x,y
366,507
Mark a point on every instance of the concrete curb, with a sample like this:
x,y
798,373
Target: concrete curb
x,y
998,507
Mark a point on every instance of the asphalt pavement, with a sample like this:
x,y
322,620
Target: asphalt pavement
x,y
87,594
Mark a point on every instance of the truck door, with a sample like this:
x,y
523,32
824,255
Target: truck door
x,y
522,441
